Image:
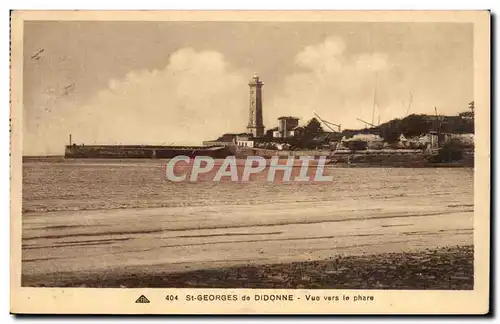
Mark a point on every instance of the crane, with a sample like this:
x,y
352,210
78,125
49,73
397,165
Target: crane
x,y
409,104
327,124
374,104
367,123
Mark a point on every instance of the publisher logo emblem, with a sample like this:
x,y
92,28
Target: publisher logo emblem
x,y
142,300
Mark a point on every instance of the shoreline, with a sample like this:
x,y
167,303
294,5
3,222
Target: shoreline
x,y
447,268
329,164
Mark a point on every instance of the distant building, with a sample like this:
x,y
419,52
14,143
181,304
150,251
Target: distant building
x,y
403,141
298,131
244,140
286,126
218,143
429,140
468,115
464,139
224,140
373,141
270,132
326,137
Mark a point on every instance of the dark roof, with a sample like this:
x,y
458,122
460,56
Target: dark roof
x,y
328,136
288,117
229,137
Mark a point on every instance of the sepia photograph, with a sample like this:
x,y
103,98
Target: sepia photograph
x,y
291,156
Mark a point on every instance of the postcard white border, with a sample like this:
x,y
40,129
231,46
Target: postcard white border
x,y
121,301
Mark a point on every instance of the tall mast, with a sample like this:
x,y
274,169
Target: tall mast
x,y
327,124
374,99
409,104
437,125
366,123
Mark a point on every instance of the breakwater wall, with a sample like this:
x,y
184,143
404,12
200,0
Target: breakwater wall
x,y
143,151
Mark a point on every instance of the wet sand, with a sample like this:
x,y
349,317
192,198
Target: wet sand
x,y
444,268
79,221
169,240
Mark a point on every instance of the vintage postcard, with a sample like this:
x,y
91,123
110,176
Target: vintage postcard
x,y
195,162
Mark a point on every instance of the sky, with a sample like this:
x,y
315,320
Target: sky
x,y
180,83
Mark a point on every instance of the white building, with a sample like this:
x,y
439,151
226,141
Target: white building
x,y
464,139
429,140
244,141
286,126
372,141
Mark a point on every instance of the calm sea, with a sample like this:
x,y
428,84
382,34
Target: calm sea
x,y
114,184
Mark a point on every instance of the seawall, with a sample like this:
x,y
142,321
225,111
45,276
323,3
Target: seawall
x,y
143,151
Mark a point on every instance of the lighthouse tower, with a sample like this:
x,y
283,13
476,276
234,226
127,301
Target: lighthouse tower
x,y
255,125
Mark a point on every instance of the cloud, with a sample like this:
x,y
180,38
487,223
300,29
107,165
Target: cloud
x,y
339,86
196,97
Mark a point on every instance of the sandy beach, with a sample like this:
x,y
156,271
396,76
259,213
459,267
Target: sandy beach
x,y
306,223
450,268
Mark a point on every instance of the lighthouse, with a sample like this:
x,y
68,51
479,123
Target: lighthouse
x,y
255,125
